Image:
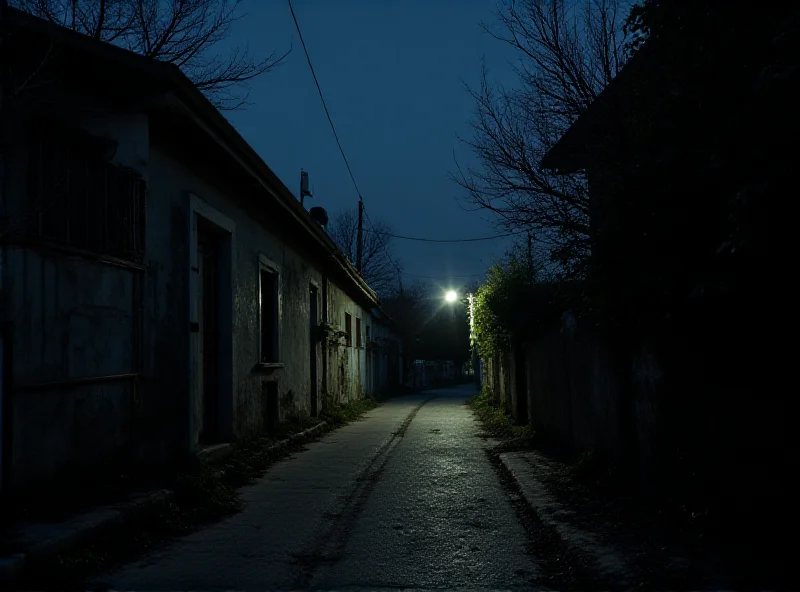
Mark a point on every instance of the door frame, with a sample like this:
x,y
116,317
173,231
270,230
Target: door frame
x,y
197,208
314,346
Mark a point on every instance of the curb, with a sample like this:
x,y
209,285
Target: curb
x,y
52,539
307,433
606,560
218,454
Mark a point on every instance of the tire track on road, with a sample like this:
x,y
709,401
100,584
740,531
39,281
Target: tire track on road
x,y
329,546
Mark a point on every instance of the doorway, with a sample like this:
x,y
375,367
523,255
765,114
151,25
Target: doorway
x,y
208,306
211,295
313,323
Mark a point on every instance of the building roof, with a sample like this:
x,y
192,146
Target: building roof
x,y
177,91
574,149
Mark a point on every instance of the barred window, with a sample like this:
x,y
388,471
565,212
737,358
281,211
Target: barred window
x,y
79,199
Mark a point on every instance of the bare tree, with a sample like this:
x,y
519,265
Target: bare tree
x,y
568,52
378,267
180,32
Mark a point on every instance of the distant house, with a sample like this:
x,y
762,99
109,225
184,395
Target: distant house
x,y
166,289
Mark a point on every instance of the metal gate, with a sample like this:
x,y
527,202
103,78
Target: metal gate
x,y
6,405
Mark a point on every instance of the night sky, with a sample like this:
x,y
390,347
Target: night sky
x,y
393,76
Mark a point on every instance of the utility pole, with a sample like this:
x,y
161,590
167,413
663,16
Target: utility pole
x,y
530,256
360,245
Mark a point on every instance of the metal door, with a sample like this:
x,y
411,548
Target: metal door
x,y
208,259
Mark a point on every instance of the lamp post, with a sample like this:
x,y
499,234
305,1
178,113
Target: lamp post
x,y
476,362
450,297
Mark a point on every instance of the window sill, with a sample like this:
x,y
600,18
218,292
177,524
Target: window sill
x,y
268,367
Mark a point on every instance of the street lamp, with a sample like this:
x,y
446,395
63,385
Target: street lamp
x,y
450,297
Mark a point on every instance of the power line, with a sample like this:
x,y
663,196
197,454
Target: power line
x,y
350,170
336,136
445,276
382,242
454,240
322,98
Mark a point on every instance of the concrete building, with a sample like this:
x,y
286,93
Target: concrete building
x,y
167,291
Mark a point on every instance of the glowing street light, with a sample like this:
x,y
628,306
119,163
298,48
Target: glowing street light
x,y
451,296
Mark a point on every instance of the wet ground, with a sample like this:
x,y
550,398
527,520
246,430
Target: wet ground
x,y
405,498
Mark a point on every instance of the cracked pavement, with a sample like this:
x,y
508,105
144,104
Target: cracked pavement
x,y
404,498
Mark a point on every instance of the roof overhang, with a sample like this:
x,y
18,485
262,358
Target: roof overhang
x,y
575,149
170,88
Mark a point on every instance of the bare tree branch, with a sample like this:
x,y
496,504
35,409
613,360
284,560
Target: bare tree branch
x,y
180,32
568,51
378,268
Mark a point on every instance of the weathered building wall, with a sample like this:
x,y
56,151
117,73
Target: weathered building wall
x,y
74,344
346,363
384,359
173,183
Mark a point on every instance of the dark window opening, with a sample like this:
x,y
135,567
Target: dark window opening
x,y
358,332
269,316
78,199
369,337
348,329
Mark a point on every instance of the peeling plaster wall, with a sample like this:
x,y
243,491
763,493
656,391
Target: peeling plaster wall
x,y
168,297
172,183
347,367
75,319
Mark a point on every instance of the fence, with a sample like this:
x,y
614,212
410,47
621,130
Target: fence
x,y
562,382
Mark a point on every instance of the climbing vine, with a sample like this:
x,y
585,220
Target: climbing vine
x,y
500,303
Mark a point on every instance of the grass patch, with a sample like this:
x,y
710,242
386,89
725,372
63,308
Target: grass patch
x,y
339,415
497,422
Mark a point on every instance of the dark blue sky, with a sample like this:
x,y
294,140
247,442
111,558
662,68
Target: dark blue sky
x,y
392,73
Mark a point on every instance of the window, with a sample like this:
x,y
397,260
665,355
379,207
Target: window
x,y
79,199
348,329
369,337
358,332
269,292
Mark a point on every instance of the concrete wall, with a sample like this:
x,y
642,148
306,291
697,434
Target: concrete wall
x,y
573,397
383,359
347,368
172,187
